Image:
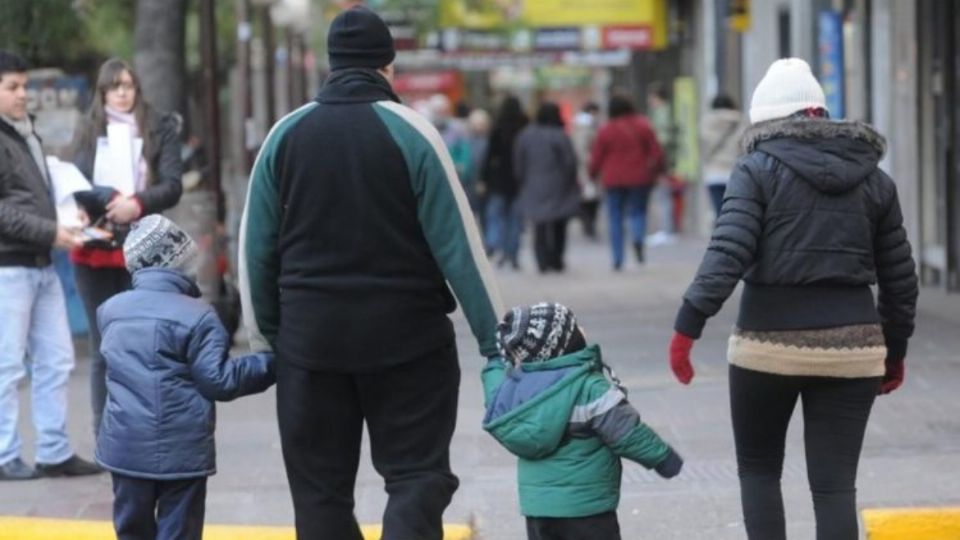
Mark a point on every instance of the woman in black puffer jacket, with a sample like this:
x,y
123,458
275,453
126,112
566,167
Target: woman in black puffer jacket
x,y
809,222
99,265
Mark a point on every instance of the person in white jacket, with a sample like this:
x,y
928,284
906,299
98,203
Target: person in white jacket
x,y
719,132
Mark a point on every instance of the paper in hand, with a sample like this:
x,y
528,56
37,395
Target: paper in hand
x,y
66,180
114,164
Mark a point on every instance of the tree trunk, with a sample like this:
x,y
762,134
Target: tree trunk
x,y
159,52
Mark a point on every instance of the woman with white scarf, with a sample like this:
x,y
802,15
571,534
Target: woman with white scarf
x,y
156,174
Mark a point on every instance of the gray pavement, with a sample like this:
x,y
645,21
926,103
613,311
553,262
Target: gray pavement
x,y
910,458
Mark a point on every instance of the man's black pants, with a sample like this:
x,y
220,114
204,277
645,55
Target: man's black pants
x,y
410,410
835,413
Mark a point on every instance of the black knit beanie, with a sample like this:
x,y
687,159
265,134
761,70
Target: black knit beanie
x,y
359,38
538,333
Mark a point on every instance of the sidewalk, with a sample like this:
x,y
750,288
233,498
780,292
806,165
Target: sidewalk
x,y
910,457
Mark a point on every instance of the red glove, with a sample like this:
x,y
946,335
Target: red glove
x,y
680,347
893,378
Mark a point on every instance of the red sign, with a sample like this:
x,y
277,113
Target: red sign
x,y
435,81
627,37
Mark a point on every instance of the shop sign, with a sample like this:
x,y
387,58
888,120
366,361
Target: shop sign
x,y
553,13
739,15
474,40
685,107
429,82
628,37
499,14
831,60
475,14
557,39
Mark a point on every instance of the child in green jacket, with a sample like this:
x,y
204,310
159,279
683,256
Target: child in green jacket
x,y
556,406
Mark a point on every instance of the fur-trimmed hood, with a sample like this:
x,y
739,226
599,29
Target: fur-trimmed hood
x,y
833,156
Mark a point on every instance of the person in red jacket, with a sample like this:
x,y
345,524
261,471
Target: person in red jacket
x,y
627,159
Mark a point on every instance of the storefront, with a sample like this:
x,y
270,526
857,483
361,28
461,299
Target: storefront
x,y
939,128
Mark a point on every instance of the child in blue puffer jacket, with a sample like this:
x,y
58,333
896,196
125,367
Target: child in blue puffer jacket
x,y
167,361
556,406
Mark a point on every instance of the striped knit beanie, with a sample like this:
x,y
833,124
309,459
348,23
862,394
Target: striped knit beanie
x,y
539,332
155,241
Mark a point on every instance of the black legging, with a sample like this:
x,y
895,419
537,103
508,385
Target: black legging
x,y
549,244
835,413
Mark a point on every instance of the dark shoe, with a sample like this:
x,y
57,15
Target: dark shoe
x,y
17,470
638,250
73,466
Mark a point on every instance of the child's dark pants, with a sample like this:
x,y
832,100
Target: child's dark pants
x,y
158,509
597,527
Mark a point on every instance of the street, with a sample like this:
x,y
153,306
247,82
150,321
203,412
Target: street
x,y
910,458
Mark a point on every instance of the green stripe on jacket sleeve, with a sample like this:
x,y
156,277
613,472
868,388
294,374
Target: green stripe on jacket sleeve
x,y
447,221
259,262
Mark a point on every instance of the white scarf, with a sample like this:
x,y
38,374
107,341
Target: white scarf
x,y
141,172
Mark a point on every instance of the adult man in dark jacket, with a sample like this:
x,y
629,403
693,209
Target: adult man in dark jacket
x,y
33,317
354,224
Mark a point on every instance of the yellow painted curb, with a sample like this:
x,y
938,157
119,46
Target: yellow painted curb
x,y
16,528
912,523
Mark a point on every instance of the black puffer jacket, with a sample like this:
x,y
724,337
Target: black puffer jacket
x,y
809,222
163,160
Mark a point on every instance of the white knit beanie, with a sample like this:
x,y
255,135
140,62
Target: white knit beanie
x,y
788,87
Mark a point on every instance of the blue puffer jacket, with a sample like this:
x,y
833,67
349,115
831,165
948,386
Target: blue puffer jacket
x,y
167,361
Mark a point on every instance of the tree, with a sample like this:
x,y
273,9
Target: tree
x,y
159,51
39,30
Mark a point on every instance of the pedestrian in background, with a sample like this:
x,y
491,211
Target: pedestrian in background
x,y
99,266
719,139
627,159
167,358
558,407
503,223
478,139
660,110
585,126
355,231
809,222
453,129
545,165
33,312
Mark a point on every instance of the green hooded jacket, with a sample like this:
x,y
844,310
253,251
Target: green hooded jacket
x,y
569,424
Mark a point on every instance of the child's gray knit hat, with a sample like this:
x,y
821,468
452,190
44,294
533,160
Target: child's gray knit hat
x,y
155,241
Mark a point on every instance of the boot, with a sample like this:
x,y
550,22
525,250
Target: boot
x,y
638,249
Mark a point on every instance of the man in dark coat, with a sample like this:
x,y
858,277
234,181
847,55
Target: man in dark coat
x,y
33,318
354,226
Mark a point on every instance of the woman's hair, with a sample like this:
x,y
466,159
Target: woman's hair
x,y
619,106
549,114
510,117
723,101
659,90
96,125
